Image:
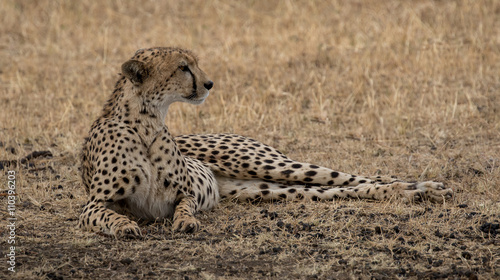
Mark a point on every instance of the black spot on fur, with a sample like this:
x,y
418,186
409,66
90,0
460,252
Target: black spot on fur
x,y
269,167
311,173
287,172
166,183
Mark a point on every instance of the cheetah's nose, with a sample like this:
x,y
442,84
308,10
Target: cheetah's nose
x,y
208,85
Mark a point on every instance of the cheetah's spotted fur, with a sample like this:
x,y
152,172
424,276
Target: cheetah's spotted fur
x,y
131,165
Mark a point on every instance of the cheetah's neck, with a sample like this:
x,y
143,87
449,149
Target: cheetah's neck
x,y
136,111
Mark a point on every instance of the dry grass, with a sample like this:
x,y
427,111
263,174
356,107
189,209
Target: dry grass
x,y
407,88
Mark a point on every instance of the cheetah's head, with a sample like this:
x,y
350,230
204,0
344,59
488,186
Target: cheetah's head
x,y
162,76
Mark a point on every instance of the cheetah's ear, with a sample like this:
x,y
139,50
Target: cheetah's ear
x,y
135,71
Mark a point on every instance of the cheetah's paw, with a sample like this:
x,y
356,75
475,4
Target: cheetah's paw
x,y
126,229
435,192
186,224
410,193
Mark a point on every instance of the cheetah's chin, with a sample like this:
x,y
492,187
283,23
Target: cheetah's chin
x,y
199,100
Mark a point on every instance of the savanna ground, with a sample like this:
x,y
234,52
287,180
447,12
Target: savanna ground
x,y
405,88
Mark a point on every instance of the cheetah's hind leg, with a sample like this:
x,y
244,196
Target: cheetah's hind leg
x,y
255,190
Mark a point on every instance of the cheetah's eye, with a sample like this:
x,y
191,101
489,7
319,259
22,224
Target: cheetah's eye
x,y
184,68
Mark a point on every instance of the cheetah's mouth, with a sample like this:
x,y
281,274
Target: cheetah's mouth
x,y
192,96
195,98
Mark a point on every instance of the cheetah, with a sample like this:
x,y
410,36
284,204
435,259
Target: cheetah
x,y
133,166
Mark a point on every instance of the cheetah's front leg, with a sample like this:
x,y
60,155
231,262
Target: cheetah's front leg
x,y
184,219
96,217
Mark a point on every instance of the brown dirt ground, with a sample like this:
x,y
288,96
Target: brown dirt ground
x,y
406,88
